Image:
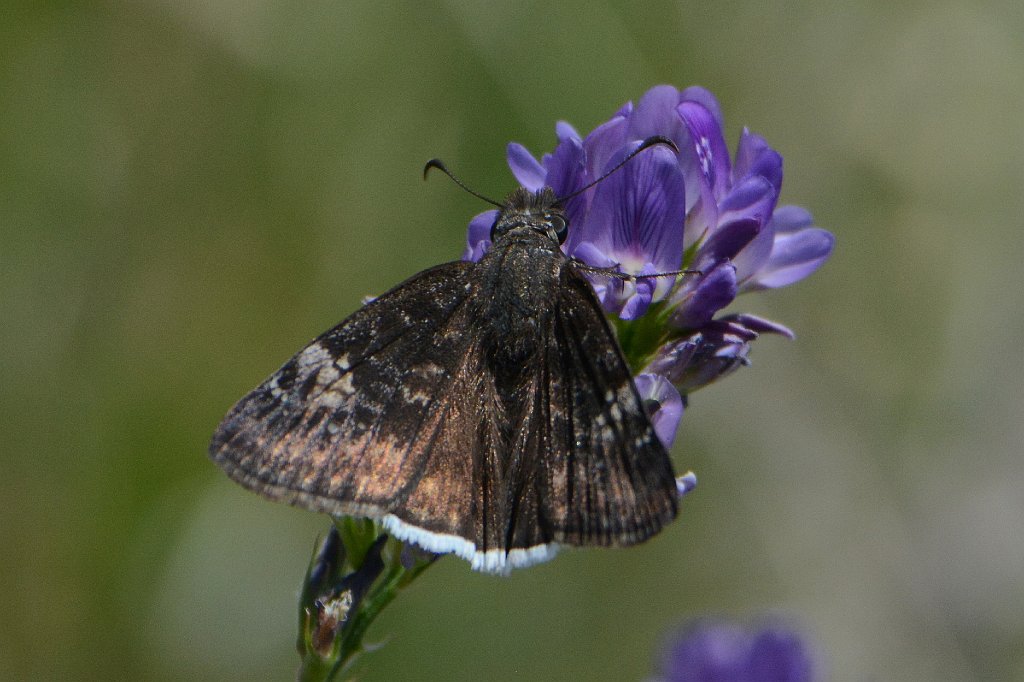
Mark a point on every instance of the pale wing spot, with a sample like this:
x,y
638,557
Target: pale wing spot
x,y
331,399
327,375
311,356
428,370
342,362
345,385
615,412
415,397
275,389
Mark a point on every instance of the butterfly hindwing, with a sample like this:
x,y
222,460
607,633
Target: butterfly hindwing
x,y
608,479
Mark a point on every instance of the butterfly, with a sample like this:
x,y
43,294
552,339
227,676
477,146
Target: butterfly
x,y
480,408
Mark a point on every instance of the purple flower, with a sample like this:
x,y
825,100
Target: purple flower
x,y
640,220
664,405
719,651
716,349
701,210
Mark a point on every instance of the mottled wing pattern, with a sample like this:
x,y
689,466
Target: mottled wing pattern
x,y
604,478
359,421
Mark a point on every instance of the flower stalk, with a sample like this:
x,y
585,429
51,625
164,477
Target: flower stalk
x,y
355,572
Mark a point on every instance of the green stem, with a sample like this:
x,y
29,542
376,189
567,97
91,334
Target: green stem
x,y
360,558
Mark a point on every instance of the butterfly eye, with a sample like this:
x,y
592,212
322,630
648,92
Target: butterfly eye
x,y
560,226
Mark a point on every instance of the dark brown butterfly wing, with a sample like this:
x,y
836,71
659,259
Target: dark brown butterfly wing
x,y
594,471
368,419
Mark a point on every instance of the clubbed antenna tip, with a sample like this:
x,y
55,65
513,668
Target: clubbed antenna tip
x,y
439,165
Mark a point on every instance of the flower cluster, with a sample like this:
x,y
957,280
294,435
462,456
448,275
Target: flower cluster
x,y
722,651
699,210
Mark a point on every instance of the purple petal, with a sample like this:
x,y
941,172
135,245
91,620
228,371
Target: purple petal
x,y
703,97
672,359
779,655
637,214
708,144
662,284
751,200
637,295
752,325
565,131
701,214
755,157
478,237
686,483
797,250
637,303
608,289
655,114
526,169
719,651
794,257
753,197
701,298
791,218
567,173
708,653
603,143
752,257
715,350
725,243
664,405
590,254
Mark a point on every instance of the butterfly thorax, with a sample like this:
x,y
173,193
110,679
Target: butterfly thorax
x,y
520,275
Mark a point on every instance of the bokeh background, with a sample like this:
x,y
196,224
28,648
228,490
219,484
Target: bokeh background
x,y
191,190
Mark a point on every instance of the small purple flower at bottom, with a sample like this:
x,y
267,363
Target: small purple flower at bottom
x,y
721,651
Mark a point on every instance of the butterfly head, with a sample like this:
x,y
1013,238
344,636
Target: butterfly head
x,y
542,211
539,211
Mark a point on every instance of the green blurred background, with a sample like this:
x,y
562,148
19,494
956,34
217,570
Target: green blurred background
x,y
190,191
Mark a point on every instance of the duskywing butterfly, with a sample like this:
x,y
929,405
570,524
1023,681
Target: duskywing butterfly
x,y
483,409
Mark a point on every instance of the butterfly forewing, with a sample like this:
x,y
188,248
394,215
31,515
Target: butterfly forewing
x,y
349,425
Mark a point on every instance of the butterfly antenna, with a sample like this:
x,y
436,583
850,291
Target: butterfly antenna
x,y
648,142
439,165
